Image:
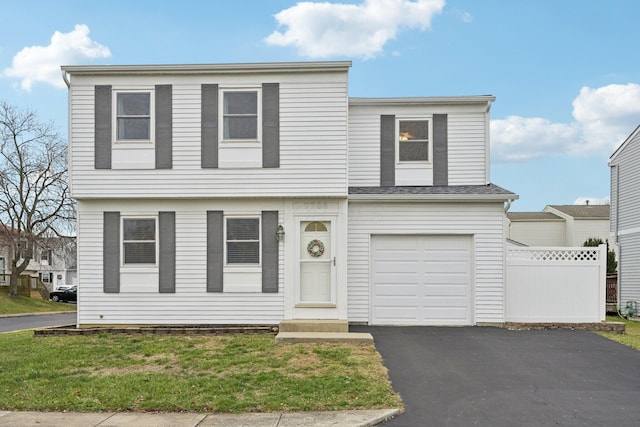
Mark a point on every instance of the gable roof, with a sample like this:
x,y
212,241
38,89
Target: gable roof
x,y
584,211
622,146
533,216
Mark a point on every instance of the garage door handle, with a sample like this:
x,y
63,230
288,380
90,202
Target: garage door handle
x,y
334,261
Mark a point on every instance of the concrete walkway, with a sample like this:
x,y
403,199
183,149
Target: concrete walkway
x,y
128,419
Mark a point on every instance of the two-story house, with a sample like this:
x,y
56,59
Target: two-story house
x,y
254,193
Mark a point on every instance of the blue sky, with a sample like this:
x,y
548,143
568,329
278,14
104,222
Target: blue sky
x,y
566,73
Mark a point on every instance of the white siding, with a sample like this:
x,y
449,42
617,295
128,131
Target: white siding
x,y
313,146
538,233
483,221
191,303
467,142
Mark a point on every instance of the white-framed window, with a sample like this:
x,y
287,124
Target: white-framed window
x,y
45,257
240,113
139,241
46,277
133,118
413,140
242,240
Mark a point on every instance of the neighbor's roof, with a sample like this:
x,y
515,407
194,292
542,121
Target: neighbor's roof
x,y
533,216
488,192
584,211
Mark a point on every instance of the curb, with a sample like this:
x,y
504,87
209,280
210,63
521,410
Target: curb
x,y
46,313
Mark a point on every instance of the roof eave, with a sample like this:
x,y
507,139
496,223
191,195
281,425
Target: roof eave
x,y
434,100
464,198
236,68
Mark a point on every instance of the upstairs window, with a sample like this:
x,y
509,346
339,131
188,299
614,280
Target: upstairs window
x,y
243,240
413,140
240,115
133,116
139,240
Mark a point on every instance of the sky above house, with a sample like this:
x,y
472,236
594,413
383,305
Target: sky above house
x,y
566,74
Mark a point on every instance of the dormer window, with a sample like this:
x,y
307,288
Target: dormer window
x,y
413,140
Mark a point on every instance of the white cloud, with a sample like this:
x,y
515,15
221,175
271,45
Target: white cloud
x,y
42,63
592,200
320,30
603,118
467,18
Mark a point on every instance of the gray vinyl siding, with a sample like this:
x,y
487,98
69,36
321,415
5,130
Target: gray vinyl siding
x,y
625,216
467,143
629,268
483,221
312,151
190,303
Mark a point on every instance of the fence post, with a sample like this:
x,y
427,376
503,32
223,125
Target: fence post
x,y
603,281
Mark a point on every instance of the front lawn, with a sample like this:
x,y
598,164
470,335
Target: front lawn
x,y
234,373
631,336
21,305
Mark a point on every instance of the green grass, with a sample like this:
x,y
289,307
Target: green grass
x,y
236,373
631,336
20,305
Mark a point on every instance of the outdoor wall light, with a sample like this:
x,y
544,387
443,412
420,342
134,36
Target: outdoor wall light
x,y
280,233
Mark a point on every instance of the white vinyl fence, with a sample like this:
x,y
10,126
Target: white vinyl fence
x,y
556,284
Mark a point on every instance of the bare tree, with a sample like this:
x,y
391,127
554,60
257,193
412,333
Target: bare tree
x,y
34,195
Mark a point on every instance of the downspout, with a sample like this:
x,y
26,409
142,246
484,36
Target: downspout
x,y
66,79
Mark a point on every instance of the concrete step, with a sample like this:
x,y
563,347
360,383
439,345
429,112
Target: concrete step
x,y
319,337
314,325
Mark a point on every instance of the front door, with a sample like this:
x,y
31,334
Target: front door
x,y
316,263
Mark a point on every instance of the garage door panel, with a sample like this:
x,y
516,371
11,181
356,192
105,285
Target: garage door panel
x,y
430,284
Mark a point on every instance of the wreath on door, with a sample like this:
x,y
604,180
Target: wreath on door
x,y
315,248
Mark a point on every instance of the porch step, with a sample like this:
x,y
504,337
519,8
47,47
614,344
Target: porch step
x,y
319,337
314,325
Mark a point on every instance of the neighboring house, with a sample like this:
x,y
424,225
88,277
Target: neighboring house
x,y
560,225
53,262
253,193
57,263
625,217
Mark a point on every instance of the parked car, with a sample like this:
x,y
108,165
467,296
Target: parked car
x,y
66,295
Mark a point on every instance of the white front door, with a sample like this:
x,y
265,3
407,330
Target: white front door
x,y
316,263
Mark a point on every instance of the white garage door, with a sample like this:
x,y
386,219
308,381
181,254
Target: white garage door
x,y
421,280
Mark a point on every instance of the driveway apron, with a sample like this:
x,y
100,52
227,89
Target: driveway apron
x,y
483,376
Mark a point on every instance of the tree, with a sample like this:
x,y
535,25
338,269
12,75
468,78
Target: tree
x,y
34,196
612,264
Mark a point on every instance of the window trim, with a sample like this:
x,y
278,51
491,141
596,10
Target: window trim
x,y
240,142
114,116
429,120
125,265
245,266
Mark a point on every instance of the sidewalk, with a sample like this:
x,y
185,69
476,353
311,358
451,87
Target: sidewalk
x,y
137,419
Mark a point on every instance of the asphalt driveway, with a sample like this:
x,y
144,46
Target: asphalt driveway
x,y
483,376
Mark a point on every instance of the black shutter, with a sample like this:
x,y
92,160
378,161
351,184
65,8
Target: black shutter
x,y
102,136
440,150
387,151
209,126
111,252
164,128
270,125
167,260
215,250
269,251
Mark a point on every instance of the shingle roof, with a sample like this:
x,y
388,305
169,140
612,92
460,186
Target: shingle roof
x,y
533,216
470,190
584,211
